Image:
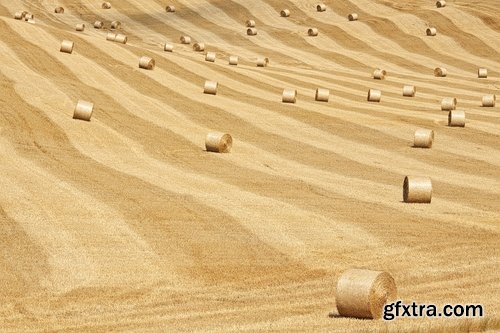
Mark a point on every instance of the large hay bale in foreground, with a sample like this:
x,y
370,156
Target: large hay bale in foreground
x,y
417,189
83,110
362,293
218,142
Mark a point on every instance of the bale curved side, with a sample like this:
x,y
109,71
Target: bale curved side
x,y
409,91
210,87
67,46
423,138
83,110
289,96
374,95
417,189
218,142
456,118
322,95
489,101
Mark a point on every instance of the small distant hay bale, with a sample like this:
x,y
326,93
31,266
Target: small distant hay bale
x,y
262,62
423,138
322,95
285,13
320,7
67,46
482,73
29,16
417,189
409,91
374,95
440,72
489,101
210,87
289,96
98,25
210,56
168,47
448,103
233,60
59,10
251,31
120,38
111,36
431,31
250,23
441,4
379,74
362,293
19,15
80,27
170,9
185,40
352,17
83,110
312,32
199,47
146,63
116,25
218,142
456,118
106,5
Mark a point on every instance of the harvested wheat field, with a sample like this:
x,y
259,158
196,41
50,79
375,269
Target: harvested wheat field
x,y
154,191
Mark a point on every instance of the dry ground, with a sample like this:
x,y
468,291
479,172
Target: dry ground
x,y
125,223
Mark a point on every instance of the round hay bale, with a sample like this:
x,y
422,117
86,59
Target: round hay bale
x,y
59,10
320,7
80,27
67,46
98,24
431,31
199,47
218,142
83,110
489,101
185,40
251,31
312,32
379,74
289,96
111,36
423,138
456,118
482,73
448,103
210,56
120,38
262,62
170,9
106,5
146,63
409,91
250,23
322,95
441,4
168,47
210,87
29,16
233,60
362,293
417,189
440,72
352,17
19,15
374,95
285,13
116,25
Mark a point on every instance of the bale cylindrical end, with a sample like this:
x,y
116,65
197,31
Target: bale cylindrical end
x,y
67,46
218,142
289,96
489,101
251,31
210,87
362,293
352,17
146,63
379,74
374,95
106,5
320,7
417,189
440,72
285,13
312,32
423,138
116,25
431,31
441,4
83,110
456,118
322,95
